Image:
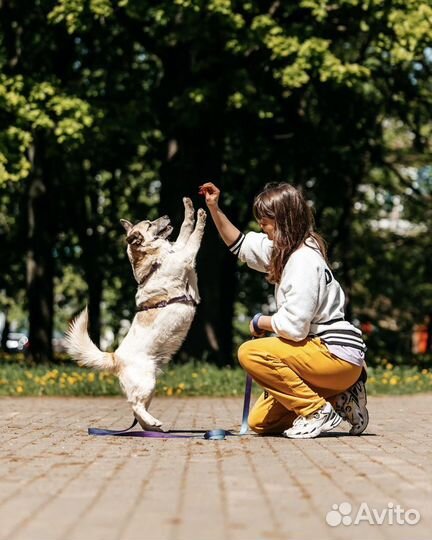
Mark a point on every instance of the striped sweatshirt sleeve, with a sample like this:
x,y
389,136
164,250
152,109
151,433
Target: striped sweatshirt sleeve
x,y
235,246
254,249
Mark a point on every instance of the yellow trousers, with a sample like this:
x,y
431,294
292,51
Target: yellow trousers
x,y
298,378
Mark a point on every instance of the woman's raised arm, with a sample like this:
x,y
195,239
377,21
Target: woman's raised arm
x,y
228,232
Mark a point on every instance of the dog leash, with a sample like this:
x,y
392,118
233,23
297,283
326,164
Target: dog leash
x,y
212,435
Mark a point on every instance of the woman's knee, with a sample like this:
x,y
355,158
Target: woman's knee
x,y
257,423
245,354
262,425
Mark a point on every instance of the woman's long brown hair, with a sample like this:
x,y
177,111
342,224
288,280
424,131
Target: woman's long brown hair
x,y
294,224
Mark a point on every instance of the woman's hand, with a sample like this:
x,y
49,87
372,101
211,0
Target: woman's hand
x,y
229,232
253,331
211,193
262,325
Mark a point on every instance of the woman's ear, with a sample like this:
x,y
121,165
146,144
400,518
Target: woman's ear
x,y
126,224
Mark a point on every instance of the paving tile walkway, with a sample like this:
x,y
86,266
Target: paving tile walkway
x,y
58,483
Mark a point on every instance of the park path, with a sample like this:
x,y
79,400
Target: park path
x,y
58,483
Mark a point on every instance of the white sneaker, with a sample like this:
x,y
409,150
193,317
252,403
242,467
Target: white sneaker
x,y
308,427
351,405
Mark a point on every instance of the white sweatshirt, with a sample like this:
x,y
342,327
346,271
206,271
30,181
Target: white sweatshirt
x,y
310,301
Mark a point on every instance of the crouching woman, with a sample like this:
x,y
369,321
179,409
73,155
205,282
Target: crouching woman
x,y
312,369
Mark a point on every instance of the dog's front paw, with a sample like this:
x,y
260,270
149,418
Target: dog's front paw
x,y
202,215
188,204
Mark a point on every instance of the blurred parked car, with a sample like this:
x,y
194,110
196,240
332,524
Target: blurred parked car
x,y
17,342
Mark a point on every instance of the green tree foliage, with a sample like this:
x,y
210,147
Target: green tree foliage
x,y
134,103
72,149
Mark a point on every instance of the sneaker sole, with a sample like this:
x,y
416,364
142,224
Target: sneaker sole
x,y
354,411
358,416
359,426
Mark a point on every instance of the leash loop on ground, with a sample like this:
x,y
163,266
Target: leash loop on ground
x,y
211,435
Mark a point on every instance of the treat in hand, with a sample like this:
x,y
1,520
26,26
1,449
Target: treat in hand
x,y
211,194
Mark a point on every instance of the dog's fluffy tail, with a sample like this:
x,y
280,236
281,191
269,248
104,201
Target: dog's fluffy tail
x,y
81,347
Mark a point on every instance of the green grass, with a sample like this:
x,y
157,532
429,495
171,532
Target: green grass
x,y
17,378
66,379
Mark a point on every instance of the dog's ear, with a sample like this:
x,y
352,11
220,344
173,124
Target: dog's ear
x,y
126,224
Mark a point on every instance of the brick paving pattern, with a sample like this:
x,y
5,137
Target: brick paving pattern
x,y
58,483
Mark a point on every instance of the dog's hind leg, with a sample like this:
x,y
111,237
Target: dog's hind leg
x,y
187,225
149,400
138,383
145,419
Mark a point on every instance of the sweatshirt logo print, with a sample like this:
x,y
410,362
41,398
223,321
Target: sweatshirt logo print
x,y
328,276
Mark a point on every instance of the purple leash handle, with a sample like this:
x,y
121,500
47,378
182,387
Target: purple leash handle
x,y
246,405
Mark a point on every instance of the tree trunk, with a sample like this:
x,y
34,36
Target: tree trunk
x,y
344,242
192,159
91,258
93,277
211,336
5,331
40,267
